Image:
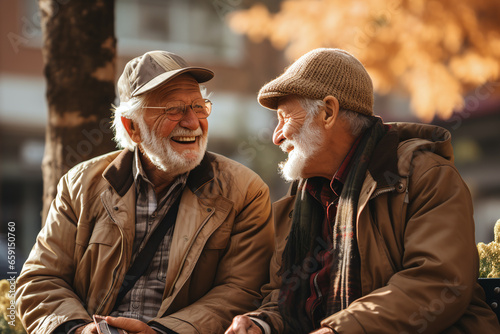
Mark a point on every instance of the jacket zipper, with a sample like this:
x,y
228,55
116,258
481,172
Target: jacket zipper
x,y
115,269
382,191
187,251
407,198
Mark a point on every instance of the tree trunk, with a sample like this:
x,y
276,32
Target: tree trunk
x,y
79,49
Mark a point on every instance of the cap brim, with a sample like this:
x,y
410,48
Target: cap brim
x,y
199,73
270,100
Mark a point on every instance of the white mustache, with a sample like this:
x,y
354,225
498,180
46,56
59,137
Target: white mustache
x,y
286,145
181,132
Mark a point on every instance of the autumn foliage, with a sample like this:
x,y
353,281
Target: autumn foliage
x,y
435,51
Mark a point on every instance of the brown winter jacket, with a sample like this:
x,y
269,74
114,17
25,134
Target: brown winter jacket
x,y
415,232
219,257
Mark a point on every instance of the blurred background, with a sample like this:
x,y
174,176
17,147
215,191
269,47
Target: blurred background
x,y
435,62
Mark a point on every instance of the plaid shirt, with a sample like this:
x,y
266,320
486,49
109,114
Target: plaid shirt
x,y
144,300
326,192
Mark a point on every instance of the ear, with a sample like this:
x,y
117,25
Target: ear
x,y
331,111
132,129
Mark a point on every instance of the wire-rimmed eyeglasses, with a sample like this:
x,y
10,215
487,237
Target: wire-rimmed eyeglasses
x,y
176,110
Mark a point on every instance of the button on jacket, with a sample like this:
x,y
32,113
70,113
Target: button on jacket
x,y
219,257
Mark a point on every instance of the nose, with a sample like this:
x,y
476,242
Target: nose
x,y
278,136
190,121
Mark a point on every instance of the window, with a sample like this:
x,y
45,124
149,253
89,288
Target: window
x,y
187,27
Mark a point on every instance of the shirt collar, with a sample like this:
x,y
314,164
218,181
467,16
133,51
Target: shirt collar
x,y
139,173
320,187
340,175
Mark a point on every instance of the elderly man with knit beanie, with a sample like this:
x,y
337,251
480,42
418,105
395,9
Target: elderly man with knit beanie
x,y
376,234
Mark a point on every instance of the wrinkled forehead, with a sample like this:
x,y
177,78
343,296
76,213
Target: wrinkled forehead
x,y
290,104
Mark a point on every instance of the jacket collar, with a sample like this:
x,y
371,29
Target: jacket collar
x,y
383,165
202,173
119,172
392,157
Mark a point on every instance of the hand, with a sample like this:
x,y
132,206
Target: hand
x,y
243,325
324,330
132,326
89,328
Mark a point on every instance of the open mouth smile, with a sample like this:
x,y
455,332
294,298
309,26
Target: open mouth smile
x,y
184,139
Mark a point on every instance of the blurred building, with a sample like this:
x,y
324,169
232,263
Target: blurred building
x,y
239,127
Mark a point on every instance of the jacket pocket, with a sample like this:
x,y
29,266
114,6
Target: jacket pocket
x,y
218,239
208,264
95,265
104,233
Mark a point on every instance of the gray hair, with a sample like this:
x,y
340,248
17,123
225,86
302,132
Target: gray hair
x,y
132,109
358,123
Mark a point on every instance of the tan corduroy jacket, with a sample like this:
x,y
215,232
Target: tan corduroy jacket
x,y
415,232
219,257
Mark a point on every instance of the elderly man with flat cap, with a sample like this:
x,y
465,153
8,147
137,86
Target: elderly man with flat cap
x,y
161,237
376,234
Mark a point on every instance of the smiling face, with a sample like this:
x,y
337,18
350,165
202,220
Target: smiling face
x,y
172,146
298,135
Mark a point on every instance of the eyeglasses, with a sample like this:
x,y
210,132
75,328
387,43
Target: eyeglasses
x,y
176,110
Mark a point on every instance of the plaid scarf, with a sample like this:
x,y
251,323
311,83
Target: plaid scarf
x,y
305,240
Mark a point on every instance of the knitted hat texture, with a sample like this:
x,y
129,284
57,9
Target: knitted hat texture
x,y
319,73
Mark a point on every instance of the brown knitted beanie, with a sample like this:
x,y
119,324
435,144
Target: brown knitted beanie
x,y
323,72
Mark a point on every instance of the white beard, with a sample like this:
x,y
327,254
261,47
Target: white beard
x,y
164,157
305,144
